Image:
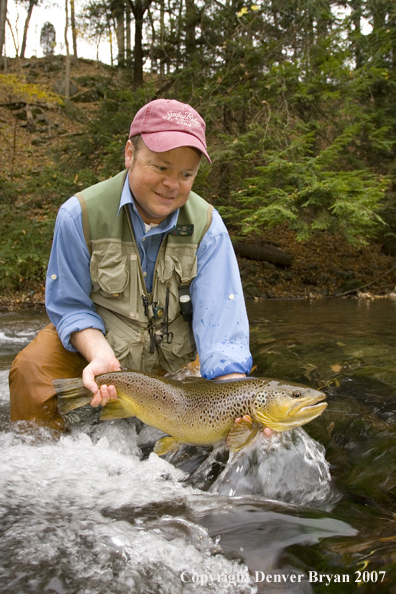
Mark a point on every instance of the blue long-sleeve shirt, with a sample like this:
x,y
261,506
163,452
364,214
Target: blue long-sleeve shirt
x,y
220,323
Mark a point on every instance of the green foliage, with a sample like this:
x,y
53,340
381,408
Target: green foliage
x,y
48,39
25,246
300,111
298,135
308,190
103,146
26,229
15,84
309,199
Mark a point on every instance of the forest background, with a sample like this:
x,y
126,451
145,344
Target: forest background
x,y
299,97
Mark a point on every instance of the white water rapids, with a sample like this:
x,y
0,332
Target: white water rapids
x,y
94,512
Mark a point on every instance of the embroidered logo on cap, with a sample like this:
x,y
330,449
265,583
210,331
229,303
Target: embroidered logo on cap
x,y
183,119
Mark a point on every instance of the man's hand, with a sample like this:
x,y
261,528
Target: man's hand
x,y
266,431
230,376
98,366
94,347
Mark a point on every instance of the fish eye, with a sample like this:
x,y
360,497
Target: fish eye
x,y
296,394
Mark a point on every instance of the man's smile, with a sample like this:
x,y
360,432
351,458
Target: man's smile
x,y
163,196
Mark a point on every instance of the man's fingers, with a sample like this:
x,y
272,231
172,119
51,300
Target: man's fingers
x,y
103,395
112,393
96,400
89,380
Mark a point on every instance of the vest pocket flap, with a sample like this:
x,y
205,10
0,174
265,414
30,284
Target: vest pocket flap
x,y
109,269
184,265
165,268
188,267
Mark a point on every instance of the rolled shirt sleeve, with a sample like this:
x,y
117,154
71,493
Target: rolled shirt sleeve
x,y
220,322
68,282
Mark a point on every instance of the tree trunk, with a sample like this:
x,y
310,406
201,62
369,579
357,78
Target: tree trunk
x,y
128,36
138,7
111,45
152,42
67,73
3,18
32,4
162,36
267,253
191,19
119,14
356,6
74,29
378,11
138,53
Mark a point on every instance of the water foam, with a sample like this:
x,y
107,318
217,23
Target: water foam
x,y
58,512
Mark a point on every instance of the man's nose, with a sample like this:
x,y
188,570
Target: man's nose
x,y
171,182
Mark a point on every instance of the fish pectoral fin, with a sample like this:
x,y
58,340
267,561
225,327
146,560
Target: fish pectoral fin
x,y
242,433
165,445
115,409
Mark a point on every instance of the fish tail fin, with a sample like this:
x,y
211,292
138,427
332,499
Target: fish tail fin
x,y
71,394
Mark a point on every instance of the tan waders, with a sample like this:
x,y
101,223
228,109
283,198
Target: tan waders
x,y
32,395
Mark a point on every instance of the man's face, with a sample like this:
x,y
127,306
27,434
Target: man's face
x,y
160,182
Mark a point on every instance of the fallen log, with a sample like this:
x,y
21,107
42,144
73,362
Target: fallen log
x,y
263,253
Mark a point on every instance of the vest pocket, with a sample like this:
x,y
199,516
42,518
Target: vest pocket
x,y
183,344
109,269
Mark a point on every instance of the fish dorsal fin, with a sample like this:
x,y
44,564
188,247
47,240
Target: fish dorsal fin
x,y
165,445
192,379
115,409
242,433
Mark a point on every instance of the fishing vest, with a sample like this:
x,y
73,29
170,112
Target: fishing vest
x,y
135,319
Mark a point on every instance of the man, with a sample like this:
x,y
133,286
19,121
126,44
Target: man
x,y
129,258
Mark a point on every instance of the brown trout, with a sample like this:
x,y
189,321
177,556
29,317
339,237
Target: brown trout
x,y
198,411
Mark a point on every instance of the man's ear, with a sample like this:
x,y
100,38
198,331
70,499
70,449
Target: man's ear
x,y
129,152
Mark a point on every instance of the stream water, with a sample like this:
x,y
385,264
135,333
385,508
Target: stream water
x,y
311,510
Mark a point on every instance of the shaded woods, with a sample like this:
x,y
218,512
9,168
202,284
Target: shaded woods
x,y
299,100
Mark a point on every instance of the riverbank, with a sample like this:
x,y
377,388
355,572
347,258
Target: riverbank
x,y
323,267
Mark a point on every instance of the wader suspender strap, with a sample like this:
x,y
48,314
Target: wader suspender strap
x,y
184,288
85,221
208,222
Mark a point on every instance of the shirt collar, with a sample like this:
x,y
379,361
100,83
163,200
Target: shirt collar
x,y
165,226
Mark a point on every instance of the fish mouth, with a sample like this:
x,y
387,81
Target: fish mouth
x,y
314,404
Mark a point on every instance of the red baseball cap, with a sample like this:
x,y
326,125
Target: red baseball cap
x,y
166,124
